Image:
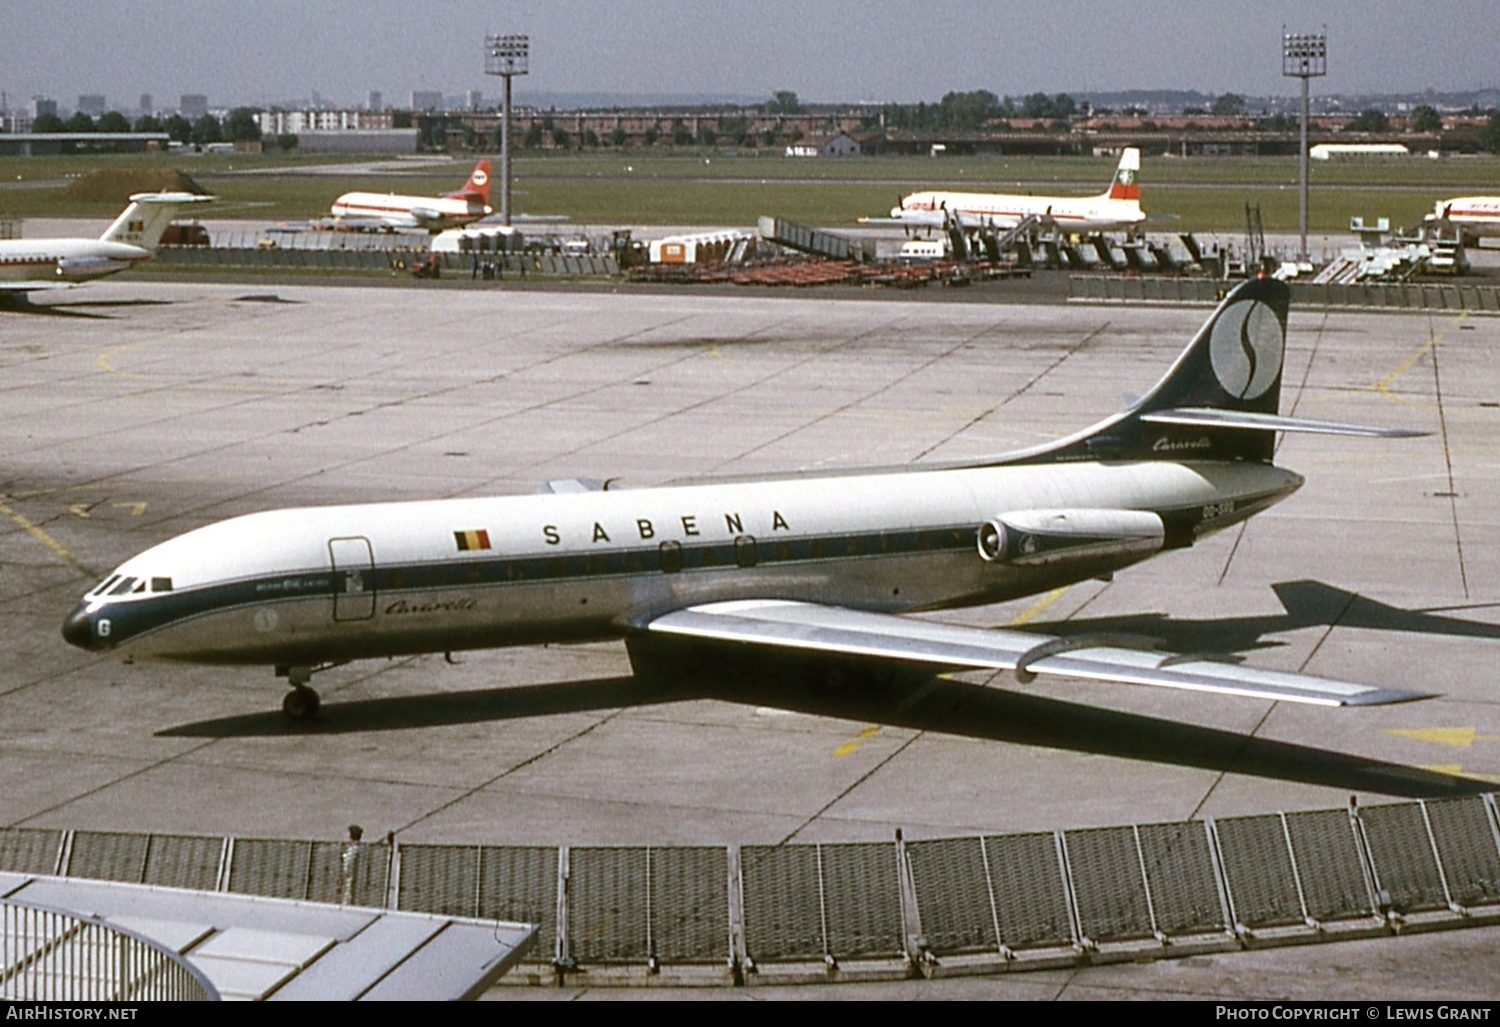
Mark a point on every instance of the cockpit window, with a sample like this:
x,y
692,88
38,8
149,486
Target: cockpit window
x,y
103,586
122,587
161,584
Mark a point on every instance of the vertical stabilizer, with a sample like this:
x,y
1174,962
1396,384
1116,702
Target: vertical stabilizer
x,y
143,222
1126,184
1229,375
478,185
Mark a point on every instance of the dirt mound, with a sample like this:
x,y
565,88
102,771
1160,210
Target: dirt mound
x,y
113,185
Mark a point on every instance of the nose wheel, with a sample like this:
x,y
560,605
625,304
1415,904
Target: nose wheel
x,y
301,703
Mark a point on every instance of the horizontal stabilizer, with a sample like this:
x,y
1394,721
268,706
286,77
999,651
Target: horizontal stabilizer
x,y
1203,417
808,627
179,198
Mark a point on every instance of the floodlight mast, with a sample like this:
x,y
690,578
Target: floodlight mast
x,y
507,57
1304,55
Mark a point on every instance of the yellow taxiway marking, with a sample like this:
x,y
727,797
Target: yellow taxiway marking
x,y
1384,385
57,548
1031,612
858,740
1457,770
1458,737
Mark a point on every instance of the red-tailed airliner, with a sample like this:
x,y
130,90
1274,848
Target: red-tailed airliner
x,y
1476,217
1117,207
432,213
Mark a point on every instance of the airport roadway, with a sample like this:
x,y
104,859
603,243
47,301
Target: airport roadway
x,y
136,409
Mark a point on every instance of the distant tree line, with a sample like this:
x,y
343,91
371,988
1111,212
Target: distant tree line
x,y
239,124
976,110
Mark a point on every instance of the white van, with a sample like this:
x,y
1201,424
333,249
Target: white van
x,y
920,251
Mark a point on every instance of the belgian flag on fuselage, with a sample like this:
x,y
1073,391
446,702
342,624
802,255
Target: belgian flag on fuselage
x,y
469,541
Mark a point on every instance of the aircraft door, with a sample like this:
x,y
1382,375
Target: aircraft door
x,y
353,578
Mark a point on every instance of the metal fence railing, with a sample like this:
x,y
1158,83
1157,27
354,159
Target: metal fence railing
x,y
1456,295
1043,898
398,257
47,955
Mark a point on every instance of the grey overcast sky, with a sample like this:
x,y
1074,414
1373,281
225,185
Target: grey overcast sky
x,y
824,50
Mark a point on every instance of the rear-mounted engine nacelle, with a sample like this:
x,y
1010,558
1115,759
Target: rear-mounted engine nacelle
x,y
991,539
1031,537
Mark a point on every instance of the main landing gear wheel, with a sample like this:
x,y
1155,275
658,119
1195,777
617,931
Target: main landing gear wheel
x,y
301,703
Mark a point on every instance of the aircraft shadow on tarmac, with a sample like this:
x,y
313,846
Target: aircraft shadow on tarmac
x,y
915,700
74,308
1307,604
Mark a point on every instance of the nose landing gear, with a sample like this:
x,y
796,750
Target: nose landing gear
x,y
302,702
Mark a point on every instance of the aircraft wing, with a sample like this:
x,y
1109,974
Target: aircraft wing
x,y
911,219
942,219
34,286
809,627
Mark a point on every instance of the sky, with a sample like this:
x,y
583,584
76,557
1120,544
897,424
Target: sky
x,y
824,50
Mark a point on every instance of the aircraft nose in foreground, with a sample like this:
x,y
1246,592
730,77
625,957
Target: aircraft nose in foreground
x,y
78,630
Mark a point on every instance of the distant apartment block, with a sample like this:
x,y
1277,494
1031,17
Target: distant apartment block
x,y
375,101
91,104
426,100
279,123
41,105
192,105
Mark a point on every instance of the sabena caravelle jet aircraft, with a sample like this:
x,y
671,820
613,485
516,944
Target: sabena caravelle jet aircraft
x,y
817,567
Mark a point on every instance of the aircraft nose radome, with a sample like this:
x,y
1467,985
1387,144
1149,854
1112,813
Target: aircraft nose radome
x,y
78,629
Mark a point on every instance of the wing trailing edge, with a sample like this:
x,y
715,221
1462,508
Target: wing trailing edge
x,y
809,627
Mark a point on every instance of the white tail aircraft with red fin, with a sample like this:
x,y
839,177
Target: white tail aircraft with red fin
x,y
814,570
391,211
1117,207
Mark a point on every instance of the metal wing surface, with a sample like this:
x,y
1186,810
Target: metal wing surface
x,y
780,624
33,286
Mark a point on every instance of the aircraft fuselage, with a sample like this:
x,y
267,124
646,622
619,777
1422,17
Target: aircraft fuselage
x,y
68,260
309,586
1094,214
428,212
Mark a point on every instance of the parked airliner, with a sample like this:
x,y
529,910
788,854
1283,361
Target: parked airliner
x,y
390,211
1117,207
819,568
31,265
1476,217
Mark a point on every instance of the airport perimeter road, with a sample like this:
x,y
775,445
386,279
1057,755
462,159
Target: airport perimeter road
x,y
135,410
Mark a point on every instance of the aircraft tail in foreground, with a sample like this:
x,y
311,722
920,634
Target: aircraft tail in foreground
x,y
143,222
1219,401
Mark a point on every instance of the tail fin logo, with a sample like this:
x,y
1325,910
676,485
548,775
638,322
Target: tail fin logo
x,y
1126,184
1246,349
479,178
